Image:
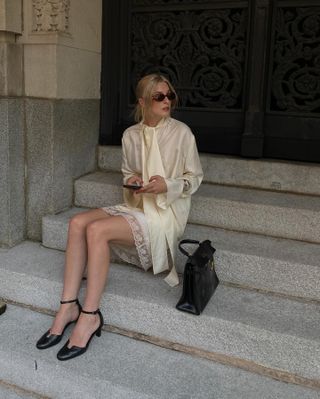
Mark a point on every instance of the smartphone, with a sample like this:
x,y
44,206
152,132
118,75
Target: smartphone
x,y
132,186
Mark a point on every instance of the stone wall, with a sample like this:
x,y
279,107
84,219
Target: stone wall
x,y
50,57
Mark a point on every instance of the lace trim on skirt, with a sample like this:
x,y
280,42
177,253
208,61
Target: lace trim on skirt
x,y
140,233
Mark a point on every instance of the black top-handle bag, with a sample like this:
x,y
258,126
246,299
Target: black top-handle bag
x,y
199,279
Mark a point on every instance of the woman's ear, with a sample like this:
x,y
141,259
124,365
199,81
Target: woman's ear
x,y
141,102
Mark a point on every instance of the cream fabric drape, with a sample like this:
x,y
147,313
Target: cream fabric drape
x,y
168,150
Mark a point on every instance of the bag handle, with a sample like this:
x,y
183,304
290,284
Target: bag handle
x,y
187,242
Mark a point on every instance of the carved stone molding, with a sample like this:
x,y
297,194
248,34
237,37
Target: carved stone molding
x,y
50,15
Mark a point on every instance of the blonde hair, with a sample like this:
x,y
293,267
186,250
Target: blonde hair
x,y
145,89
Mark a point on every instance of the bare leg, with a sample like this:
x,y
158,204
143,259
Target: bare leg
x,y
75,261
99,234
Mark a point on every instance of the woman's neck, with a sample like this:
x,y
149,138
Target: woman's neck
x,y
153,122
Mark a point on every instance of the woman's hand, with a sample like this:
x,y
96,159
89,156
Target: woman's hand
x,y
156,185
137,180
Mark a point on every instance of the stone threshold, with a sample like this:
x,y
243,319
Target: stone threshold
x,y
226,360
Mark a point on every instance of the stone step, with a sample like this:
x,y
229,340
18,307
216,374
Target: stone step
x,y
276,336
276,265
112,368
8,391
274,214
295,177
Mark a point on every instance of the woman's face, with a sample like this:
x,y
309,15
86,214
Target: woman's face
x,y
158,109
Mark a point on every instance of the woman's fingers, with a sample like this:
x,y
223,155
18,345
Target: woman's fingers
x,y
135,180
155,178
156,185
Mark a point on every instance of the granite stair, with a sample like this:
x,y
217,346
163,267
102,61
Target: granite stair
x,y
247,260
259,335
119,367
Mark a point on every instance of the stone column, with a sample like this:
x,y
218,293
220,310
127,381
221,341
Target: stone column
x,y
12,145
61,42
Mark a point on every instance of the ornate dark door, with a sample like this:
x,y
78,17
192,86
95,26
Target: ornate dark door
x,y
246,72
292,119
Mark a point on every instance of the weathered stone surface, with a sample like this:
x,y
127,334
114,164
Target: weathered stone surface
x,y
10,16
296,177
10,393
99,189
254,211
11,69
270,331
63,72
66,37
276,265
275,214
12,211
116,369
61,146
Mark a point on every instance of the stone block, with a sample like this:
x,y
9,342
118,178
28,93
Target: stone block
x,y
62,139
99,189
295,177
276,214
78,73
63,72
112,368
82,28
12,185
40,70
11,69
11,16
62,53
280,266
109,158
270,331
280,215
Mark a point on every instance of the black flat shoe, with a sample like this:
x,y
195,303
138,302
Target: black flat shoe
x,y
66,353
47,340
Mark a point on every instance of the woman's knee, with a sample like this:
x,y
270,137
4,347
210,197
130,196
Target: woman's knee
x,y
77,224
97,231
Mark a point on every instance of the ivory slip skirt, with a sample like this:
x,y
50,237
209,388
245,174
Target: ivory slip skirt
x,y
140,254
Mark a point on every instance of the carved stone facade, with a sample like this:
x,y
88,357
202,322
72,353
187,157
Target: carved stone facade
x,y
51,15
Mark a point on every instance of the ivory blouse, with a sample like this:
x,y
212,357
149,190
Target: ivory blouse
x,y
158,221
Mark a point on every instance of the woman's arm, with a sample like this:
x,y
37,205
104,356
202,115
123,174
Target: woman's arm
x,y
191,178
130,176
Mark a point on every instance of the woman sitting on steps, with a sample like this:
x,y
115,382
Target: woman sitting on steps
x,y
159,154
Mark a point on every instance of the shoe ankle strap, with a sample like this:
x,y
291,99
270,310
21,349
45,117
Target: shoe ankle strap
x,y
94,312
71,301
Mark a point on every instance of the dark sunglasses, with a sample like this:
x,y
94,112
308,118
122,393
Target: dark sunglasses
x,y
160,96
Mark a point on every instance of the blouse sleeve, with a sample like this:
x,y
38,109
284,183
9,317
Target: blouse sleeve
x,y
190,180
127,171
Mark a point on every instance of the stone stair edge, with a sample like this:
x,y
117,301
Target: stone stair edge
x,y
226,192
133,299
268,174
246,239
253,261
110,378
231,208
